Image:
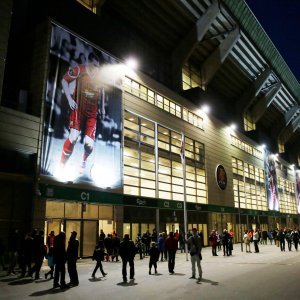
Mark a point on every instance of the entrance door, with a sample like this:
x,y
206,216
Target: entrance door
x,y
72,225
89,237
172,227
53,225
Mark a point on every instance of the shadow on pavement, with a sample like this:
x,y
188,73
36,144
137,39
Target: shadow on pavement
x,y
95,279
9,279
46,292
178,274
209,281
126,284
21,281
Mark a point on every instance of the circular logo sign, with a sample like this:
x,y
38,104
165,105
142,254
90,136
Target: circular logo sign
x,y
221,177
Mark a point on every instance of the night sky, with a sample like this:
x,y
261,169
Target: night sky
x,y
281,21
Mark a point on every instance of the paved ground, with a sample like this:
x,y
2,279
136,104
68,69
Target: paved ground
x,y
270,274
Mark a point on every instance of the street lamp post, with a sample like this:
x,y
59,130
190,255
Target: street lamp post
x,y
239,210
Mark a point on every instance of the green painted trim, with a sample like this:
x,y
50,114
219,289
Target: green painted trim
x,y
255,31
100,197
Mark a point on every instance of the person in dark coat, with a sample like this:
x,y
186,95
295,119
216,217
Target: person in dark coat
x,y
38,253
13,251
60,258
171,245
2,251
127,253
108,243
98,256
26,254
225,238
72,255
154,256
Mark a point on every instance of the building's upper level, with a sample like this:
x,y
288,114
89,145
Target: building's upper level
x,y
209,51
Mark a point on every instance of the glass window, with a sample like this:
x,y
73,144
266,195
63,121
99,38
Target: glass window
x,y
72,210
55,209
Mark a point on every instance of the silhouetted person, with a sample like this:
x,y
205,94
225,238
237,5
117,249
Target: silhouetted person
x,y
13,251
72,255
171,245
26,248
60,258
127,253
98,256
38,253
50,245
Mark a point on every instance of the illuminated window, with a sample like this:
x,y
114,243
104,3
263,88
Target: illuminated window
x,y
248,186
146,94
248,123
286,191
245,147
140,162
89,4
281,148
191,77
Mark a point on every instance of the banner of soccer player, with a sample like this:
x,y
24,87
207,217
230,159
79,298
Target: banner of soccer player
x,y
271,182
82,134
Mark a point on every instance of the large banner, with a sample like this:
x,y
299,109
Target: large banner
x,y
82,130
298,190
271,182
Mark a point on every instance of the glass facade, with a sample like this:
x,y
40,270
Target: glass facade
x,y
142,92
248,186
286,190
158,172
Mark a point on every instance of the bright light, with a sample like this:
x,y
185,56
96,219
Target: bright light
x,y
292,166
67,173
131,63
263,146
103,176
233,126
205,108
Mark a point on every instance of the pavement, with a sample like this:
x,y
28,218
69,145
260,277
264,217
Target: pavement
x,y
269,274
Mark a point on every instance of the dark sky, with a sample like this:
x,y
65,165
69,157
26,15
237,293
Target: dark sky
x,y
281,21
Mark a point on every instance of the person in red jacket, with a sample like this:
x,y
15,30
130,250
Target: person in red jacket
x,y
171,246
213,241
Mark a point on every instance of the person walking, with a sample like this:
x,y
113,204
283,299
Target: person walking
x,y
98,256
154,256
295,237
288,238
171,245
195,247
281,238
255,240
161,246
72,255
60,258
127,253
139,245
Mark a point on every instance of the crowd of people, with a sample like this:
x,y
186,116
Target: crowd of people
x,y
279,237
29,251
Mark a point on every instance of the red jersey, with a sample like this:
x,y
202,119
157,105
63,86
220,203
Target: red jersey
x,y
87,94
